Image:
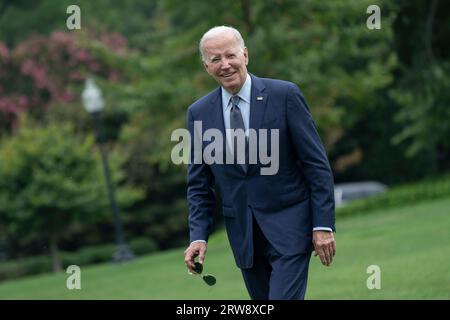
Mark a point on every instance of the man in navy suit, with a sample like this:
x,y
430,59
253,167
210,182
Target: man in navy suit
x,y
273,221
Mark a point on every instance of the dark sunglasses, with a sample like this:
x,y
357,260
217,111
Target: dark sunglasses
x,y
209,279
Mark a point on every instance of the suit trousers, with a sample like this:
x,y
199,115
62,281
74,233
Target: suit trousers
x,y
275,276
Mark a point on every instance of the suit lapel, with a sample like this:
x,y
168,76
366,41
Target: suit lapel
x,y
216,114
258,103
217,121
257,110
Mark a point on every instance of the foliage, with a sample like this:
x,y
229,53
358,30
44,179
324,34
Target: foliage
x,y
47,69
51,183
398,196
87,256
28,266
421,87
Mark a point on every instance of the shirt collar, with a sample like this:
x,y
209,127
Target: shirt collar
x,y
244,93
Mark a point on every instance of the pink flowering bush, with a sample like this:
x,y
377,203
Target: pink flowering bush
x,y
46,69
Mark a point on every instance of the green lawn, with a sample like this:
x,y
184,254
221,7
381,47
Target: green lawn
x,y
411,245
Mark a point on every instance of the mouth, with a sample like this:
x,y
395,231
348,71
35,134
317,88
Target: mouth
x,y
228,75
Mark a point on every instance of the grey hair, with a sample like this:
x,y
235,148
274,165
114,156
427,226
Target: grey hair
x,y
216,31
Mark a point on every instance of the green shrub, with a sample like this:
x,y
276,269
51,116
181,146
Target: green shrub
x,y
143,245
89,255
83,257
24,267
399,196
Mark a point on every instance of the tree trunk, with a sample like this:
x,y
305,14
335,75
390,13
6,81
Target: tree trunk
x,y
245,4
54,251
429,30
4,4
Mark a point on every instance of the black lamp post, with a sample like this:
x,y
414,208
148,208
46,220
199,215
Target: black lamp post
x,y
93,103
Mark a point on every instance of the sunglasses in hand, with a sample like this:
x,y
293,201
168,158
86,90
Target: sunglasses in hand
x,y
210,280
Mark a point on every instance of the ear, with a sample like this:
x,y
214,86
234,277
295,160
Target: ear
x,y
206,67
246,55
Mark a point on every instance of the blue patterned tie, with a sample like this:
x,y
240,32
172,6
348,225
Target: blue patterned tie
x,y
236,122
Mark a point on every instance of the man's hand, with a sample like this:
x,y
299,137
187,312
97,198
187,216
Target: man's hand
x,y
194,250
325,246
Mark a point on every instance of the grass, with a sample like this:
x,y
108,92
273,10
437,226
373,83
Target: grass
x,y
411,245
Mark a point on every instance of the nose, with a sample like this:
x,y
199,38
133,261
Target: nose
x,y
225,64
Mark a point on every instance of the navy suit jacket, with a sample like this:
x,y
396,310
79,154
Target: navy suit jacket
x,y
286,205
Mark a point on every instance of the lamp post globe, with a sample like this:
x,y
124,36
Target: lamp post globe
x,y
92,97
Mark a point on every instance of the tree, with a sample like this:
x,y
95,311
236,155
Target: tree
x,y
51,184
423,80
43,70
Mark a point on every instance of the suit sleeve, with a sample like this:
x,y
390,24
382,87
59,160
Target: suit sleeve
x,y
313,159
200,193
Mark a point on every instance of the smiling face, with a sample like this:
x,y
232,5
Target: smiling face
x,y
225,61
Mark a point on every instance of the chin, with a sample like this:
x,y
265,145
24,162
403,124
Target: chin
x,y
231,89
231,86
